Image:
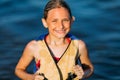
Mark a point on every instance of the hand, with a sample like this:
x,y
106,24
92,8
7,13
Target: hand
x,y
38,77
78,71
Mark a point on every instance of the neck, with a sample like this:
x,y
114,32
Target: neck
x,y
55,41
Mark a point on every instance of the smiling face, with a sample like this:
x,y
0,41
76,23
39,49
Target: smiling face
x,y
58,22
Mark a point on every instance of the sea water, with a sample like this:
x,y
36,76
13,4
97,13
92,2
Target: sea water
x,y
97,22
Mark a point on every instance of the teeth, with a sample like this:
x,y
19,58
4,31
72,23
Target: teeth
x,y
60,31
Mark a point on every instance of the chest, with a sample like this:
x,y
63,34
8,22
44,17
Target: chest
x,y
58,51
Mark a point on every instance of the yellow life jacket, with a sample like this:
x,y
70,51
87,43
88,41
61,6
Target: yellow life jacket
x,y
60,70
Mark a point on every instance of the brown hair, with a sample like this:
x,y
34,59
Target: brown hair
x,y
56,4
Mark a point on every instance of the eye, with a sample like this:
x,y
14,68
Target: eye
x,y
66,20
54,20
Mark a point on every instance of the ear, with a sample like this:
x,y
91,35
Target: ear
x,y
73,18
44,23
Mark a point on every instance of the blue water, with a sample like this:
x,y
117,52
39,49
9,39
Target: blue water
x,y
97,23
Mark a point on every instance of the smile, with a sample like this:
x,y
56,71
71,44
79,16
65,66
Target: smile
x,y
60,31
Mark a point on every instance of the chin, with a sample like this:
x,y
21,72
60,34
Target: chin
x,y
61,35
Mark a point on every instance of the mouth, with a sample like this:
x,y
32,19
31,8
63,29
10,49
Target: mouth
x,y
60,31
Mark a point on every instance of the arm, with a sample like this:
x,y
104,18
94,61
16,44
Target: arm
x,y
24,61
85,61
86,69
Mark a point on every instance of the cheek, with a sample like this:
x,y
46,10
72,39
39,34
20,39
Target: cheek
x,y
67,25
50,25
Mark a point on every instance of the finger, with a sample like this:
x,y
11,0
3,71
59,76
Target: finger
x,y
79,74
39,77
77,68
78,71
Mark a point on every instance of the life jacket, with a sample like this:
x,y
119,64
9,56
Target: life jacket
x,y
61,69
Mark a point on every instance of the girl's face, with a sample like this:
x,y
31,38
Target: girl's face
x,y
58,22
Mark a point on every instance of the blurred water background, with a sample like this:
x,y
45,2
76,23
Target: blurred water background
x,y
97,23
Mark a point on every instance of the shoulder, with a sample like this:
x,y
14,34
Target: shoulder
x,y
78,41
32,49
35,44
81,44
31,46
82,48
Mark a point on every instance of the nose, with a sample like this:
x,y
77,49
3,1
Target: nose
x,y
61,25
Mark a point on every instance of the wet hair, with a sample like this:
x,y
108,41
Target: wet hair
x,y
56,4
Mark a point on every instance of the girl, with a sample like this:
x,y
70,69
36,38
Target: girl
x,y
57,52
